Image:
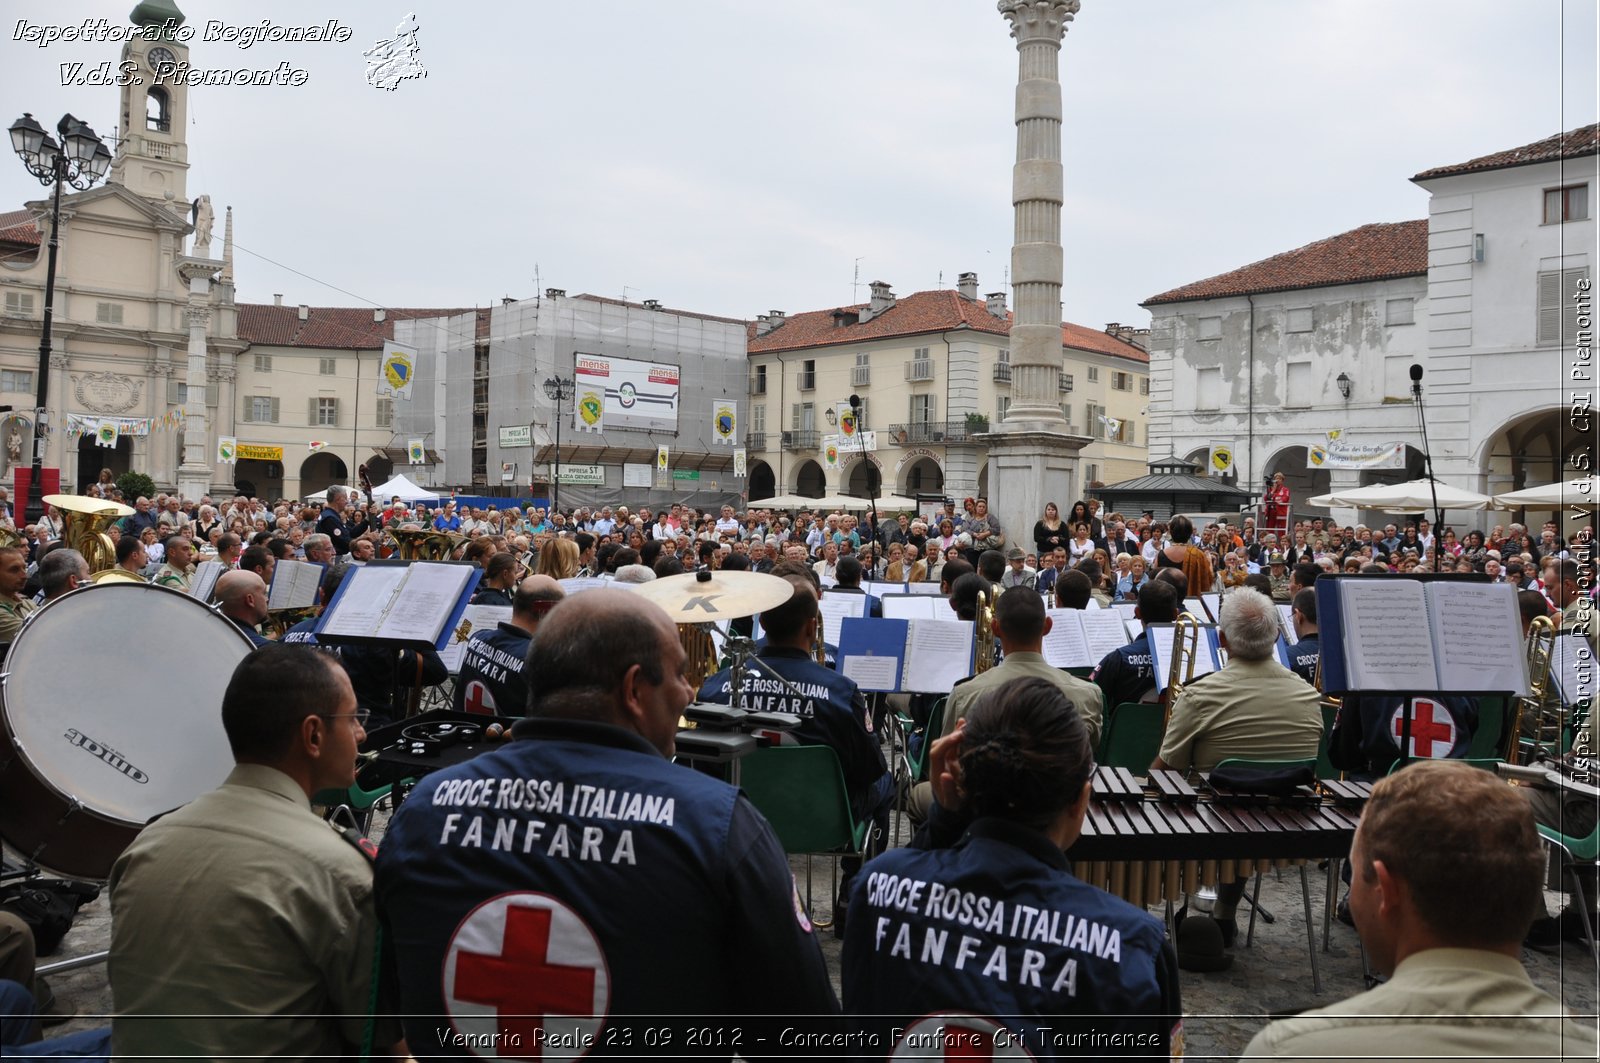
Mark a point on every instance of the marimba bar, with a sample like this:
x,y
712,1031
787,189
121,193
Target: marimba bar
x,y
1147,839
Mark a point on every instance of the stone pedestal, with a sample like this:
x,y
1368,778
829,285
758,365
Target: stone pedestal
x,y
1026,470
194,471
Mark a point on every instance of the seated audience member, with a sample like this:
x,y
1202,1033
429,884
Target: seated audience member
x,y
1128,673
1447,872
1024,762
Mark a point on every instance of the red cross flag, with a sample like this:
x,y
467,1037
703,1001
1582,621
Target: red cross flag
x,y
1433,729
958,1035
525,975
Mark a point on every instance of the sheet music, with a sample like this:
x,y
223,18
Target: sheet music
x,y
834,608
1388,644
1090,604
424,601
1134,626
366,597
294,584
924,588
1196,607
938,654
452,655
915,607
1572,668
1286,621
1213,604
1065,645
1161,639
1104,633
1477,629
871,672
205,579
1125,610
579,584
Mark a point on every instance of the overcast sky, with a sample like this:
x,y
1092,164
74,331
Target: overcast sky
x,y
731,157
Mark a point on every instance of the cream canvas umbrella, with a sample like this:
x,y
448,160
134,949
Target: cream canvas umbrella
x,y
1576,494
783,502
1405,497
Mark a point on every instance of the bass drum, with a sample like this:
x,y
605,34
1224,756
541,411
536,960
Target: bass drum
x,y
111,707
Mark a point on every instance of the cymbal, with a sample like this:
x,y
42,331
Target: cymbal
x,y
85,504
700,597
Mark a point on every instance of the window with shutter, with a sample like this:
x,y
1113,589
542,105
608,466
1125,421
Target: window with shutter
x,y
1558,311
385,412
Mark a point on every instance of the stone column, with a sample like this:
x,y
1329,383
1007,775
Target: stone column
x,y
194,474
1033,458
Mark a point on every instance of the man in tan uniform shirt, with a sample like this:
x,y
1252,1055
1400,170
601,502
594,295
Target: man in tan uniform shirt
x,y
1254,708
1456,988
1021,623
14,608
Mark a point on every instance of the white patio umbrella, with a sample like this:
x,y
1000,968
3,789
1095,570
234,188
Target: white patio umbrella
x,y
1576,493
783,502
1405,497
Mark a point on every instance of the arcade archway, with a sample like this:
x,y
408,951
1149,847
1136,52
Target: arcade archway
x,y
322,470
762,483
810,481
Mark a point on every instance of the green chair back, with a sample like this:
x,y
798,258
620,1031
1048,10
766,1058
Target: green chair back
x,y
1264,765
801,792
919,763
1486,740
1131,737
358,799
1325,768
1584,849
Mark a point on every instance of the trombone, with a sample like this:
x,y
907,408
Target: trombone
x,y
1545,724
985,634
1180,670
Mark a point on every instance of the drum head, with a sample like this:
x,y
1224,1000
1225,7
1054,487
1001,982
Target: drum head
x,y
113,696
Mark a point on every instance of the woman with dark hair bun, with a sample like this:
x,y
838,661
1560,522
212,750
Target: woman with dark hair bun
x,y
996,926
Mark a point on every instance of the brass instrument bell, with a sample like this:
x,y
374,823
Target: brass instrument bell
x,y
84,522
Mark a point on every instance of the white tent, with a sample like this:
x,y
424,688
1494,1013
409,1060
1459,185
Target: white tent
x,y
406,490
1578,494
1407,497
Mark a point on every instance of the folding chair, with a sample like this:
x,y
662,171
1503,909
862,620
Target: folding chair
x,y
909,768
1305,882
801,792
1131,737
1571,853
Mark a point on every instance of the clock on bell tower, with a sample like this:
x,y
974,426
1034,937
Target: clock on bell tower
x,y
152,157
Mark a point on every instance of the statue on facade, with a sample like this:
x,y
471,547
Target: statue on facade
x,y
200,213
14,445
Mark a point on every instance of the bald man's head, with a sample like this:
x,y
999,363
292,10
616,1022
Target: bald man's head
x,y
242,595
535,597
608,657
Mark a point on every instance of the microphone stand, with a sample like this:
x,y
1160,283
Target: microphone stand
x,y
1427,460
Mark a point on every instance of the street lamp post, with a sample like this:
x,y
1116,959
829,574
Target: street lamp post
x,y
80,160
558,389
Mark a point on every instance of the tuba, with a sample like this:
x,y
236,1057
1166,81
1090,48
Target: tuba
x,y
985,635
83,527
418,544
701,650
1185,644
1543,726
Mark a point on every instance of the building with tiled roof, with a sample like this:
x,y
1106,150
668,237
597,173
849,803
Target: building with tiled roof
x,y
933,371
1301,362
1380,251
1574,144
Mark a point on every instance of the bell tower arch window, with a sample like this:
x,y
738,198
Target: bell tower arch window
x,y
158,110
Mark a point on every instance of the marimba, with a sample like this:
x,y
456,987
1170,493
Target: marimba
x,y
1150,839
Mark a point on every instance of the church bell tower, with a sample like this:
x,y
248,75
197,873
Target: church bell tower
x,y
152,157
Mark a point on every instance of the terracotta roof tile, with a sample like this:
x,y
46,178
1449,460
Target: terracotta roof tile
x,y
16,227
1373,252
333,327
1573,144
919,313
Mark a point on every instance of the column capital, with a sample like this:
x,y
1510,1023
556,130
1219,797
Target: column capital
x,y
1033,20
58,360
